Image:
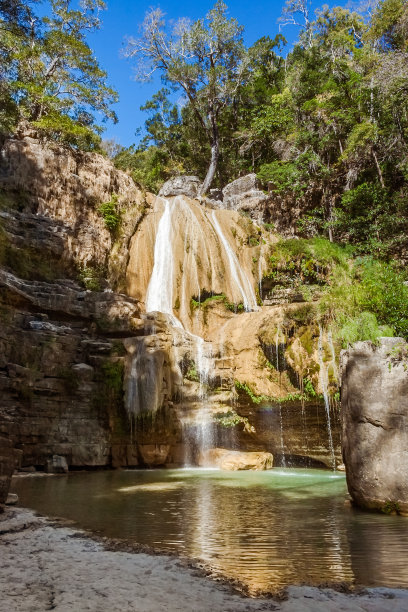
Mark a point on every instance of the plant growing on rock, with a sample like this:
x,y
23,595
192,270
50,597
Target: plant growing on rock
x,y
110,212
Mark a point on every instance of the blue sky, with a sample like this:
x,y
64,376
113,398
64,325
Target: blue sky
x,y
122,18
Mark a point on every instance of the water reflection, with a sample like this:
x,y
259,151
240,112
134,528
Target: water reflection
x,y
267,529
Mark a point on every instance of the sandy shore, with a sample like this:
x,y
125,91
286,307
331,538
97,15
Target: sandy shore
x,y
46,567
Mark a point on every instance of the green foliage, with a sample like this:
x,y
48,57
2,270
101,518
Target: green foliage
x,y
297,263
366,301
363,327
150,167
391,507
230,419
244,388
91,277
221,297
113,377
192,373
50,76
292,176
110,212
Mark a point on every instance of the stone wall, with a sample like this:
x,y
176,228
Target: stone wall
x,y
374,400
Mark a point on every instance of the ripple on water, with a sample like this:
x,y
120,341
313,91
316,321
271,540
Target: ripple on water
x,y
267,529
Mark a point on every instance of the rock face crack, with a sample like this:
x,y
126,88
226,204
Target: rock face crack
x,y
373,422
375,457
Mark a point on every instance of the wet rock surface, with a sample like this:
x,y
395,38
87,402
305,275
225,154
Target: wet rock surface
x,y
231,460
374,401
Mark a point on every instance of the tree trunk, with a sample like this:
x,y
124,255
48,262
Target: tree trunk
x,y
377,165
215,153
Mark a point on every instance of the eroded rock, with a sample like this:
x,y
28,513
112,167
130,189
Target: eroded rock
x,y
232,460
374,403
181,185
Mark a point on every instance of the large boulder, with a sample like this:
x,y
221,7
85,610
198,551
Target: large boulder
x,y
236,460
244,194
374,401
181,185
7,465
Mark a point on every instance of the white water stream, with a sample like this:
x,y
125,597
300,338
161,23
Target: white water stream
x,y
160,298
238,275
324,383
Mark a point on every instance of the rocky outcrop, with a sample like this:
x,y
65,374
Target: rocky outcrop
x,y
181,185
234,461
374,399
56,190
61,372
244,195
7,467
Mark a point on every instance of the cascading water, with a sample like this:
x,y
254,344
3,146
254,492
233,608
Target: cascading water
x,y
159,296
324,383
238,274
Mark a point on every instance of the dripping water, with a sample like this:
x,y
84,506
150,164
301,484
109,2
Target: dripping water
x,y
324,383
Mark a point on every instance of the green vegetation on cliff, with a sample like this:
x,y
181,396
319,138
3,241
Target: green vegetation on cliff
x,y
325,128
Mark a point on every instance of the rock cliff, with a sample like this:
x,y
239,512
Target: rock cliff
x,y
88,377
374,400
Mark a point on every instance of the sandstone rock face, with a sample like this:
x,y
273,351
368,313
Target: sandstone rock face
x,y
181,185
236,460
154,454
375,424
61,364
61,191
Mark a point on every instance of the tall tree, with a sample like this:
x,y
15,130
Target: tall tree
x,y
205,59
52,75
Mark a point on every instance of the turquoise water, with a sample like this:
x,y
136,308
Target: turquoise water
x,y
267,529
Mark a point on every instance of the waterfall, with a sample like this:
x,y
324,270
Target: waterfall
x,y
238,275
204,426
324,383
281,437
277,347
159,296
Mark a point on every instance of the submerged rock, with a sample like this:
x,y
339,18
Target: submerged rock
x,y
154,454
232,460
12,499
375,424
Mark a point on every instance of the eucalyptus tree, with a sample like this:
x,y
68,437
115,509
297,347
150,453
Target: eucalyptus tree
x,y
297,13
205,59
51,74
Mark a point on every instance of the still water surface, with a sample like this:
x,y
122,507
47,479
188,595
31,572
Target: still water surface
x,y
267,529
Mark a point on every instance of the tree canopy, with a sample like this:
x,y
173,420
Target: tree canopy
x,y
49,75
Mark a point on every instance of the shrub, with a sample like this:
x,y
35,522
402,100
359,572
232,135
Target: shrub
x,y
110,212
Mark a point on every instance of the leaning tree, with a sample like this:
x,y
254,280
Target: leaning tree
x,y
205,59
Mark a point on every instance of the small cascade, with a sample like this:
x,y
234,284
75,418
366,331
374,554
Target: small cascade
x,y
260,273
281,437
238,274
277,346
204,426
324,383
